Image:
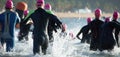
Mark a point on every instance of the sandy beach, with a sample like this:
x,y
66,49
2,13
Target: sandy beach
x,y
80,15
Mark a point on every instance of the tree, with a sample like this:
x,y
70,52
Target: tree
x,y
71,5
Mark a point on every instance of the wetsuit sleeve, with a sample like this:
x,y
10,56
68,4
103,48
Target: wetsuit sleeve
x,y
79,33
116,36
18,18
56,20
117,26
89,25
26,19
0,19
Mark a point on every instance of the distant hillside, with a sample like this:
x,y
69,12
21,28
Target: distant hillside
x,y
72,5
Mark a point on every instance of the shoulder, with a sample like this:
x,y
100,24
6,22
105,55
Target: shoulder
x,y
51,16
2,14
13,12
16,14
101,21
84,26
113,22
117,22
49,11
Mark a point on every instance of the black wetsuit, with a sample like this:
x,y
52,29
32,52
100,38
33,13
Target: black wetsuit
x,y
107,41
20,13
53,24
85,34
24,28
95,27
24,31
40,20
117,33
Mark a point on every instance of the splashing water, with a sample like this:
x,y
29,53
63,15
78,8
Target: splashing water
x,y
61,47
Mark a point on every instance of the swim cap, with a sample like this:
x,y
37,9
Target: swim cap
x,y
115,15
98,13
22,6
71,35
47,6
9,4
89,20
107,19
64,27
40,2
26,12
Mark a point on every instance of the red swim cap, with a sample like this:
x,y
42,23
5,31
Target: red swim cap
x,y
71,35
26,12
89,20
64,27
115,15
9,4
47,6
98,13
40,2
107,19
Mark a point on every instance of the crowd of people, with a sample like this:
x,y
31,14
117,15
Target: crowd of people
x,y
43,20
101,35
97,33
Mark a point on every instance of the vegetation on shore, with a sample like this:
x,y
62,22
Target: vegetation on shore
x,y
72,5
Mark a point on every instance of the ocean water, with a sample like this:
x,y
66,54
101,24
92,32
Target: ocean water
x,y
61,47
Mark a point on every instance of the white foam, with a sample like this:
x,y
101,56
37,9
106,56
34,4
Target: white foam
x,y
61,47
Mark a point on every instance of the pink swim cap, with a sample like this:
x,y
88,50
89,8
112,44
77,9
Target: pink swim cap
x,y
89,20
47,6
107,19
64,27
71,34
40,2
9,4
26,12
98,13
115,15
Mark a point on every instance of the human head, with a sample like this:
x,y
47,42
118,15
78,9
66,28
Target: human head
x,y
26,12
64,27
107,19
40,3
47,6
98,13
9,4
71,35
89,20
22,6
115,15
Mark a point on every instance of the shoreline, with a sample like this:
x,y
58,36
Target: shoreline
x,y
79,15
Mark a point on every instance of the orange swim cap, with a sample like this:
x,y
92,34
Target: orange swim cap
x,y
22,6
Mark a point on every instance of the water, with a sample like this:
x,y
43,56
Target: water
x,y
62,47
